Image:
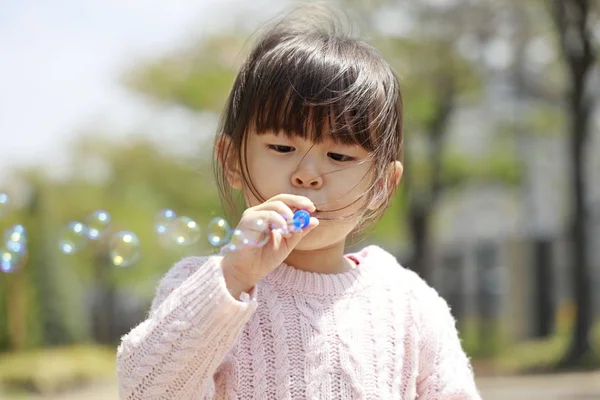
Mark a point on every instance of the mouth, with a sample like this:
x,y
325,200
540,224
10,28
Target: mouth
x,y
319,214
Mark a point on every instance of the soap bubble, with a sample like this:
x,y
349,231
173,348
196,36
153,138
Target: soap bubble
x,y
219,232
184,231
124,249
15,239
97,224
258,233
238,240
11,261
163,220
73,237
4,203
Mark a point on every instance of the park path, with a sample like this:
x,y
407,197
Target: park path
x,y
575,386
578,386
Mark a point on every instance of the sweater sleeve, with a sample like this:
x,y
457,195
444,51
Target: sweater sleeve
x,y
192,324
445,372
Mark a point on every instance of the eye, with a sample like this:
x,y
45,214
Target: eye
x,y
340,157
280,148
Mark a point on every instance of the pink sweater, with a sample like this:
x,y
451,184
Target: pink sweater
x,y
375,332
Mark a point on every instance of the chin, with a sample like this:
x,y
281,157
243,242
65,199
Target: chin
x,y
318,240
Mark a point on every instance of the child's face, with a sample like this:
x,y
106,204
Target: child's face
x,y
333,176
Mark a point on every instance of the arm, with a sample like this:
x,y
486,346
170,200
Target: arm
x,y
445,372
192,324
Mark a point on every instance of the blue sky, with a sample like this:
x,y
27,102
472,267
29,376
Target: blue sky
x,y
61,61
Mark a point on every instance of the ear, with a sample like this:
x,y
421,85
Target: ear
x,y
228,161
395,169
398,170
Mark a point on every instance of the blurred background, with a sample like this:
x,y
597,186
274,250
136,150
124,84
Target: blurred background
x,y
107,114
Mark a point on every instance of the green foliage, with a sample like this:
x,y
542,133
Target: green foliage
x,y
545,119
388,231
484,340
544,355
199,77
426,67
54,370
498,166
204,88
457,169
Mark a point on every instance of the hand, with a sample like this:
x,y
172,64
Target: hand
x,y
244,267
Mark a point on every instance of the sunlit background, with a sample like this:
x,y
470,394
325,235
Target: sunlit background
x,y
107,114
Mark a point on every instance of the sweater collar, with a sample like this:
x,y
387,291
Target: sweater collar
x,y
297,281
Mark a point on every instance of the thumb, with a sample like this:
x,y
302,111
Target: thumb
x,y
295,237
311,225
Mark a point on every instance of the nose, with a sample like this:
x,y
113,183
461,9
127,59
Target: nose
x,y
306,179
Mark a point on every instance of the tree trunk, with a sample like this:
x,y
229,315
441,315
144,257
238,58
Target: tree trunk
x,y
582,282
422,201
104,301
16,300
571,18
419,228
45,272
545,288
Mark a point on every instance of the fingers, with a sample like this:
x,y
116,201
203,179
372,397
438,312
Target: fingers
x,y
312,224
295,237
285,205
278,206
275,215
262,220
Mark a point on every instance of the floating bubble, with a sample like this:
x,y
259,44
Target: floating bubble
x,y
163,220
219,232
11,261
14,251
15,239
124,249
258,234
73,237
97,224
4,203
238,240
184,231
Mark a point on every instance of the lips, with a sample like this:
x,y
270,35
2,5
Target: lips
x,y
317,213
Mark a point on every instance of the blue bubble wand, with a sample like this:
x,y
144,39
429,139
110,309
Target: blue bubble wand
x,y
239,240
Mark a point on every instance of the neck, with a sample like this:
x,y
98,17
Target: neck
x,y
328,260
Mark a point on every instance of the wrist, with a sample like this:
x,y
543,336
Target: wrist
x,y
236,282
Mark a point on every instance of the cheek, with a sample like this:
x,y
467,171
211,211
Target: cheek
x,y
350,197
351,187
267,177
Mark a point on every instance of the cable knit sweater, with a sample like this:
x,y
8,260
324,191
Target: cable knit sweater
x,y
374,332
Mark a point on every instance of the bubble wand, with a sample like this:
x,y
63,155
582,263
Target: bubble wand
x,y
238,240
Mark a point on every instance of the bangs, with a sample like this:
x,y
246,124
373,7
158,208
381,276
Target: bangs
x,y
307,87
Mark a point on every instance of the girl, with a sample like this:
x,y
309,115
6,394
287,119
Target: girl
x,y
313,122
